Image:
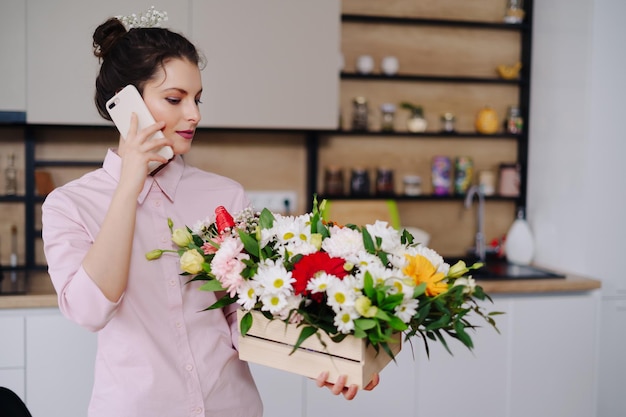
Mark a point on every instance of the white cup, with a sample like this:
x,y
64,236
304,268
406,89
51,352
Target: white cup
x,y
365,64
389,65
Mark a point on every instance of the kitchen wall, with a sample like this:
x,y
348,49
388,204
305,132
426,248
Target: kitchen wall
x,y
576,195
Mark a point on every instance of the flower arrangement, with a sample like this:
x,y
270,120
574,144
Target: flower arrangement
x,y
370,282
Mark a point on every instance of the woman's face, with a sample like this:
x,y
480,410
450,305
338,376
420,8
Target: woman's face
x,y
172,97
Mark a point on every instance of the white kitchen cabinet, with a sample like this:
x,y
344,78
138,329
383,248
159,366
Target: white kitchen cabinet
x,y
12,353
612,368
543,363
270,64
62,69
60,358
13,52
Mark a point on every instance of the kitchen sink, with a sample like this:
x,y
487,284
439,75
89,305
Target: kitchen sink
x,y
503,270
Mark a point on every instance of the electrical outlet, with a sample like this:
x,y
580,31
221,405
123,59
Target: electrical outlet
x,y
283,202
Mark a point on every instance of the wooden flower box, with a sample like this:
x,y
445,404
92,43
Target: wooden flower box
x,y
270,343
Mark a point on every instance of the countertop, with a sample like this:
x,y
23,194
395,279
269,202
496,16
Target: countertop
x,y
44,296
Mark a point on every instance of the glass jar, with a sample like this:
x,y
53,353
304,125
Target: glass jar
x,y
359,182
514,12
412,185
384,181
333,181
448,123
514,123
360,113
387,117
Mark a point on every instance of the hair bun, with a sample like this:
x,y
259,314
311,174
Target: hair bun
x,y
106,36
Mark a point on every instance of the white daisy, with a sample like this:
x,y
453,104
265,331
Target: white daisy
x,y
344,320
247,296
274,278
274,303
407,309
320,283
340,295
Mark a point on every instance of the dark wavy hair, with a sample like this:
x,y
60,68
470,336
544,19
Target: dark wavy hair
x,y
134,57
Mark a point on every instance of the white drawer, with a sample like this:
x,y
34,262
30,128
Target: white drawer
x,y
12,342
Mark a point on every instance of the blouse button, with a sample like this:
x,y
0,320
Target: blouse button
x,y
172,282
198,410
189,367
179,324
157,203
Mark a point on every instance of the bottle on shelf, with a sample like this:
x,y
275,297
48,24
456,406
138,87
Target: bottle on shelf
x,y
10,176
360,113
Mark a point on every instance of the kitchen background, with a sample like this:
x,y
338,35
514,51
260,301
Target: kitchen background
x,y
574,187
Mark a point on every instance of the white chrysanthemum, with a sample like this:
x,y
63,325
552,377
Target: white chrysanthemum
x,y
407,309
344,243
344,319
434,258
390,236
274,278
274,303
247,294
320,283
340,295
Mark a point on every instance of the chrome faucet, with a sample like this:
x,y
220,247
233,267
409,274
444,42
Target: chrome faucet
x,y
479,246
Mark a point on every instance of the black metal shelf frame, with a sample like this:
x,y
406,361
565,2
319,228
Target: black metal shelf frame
x,y
523,84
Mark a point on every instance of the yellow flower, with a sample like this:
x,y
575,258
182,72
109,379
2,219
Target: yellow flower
x,y
182,237
191,261
423,271
364,307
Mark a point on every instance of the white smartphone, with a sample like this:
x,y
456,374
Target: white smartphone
x,y
127,101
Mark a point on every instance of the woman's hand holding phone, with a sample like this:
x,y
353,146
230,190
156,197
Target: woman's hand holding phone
x,y
121,107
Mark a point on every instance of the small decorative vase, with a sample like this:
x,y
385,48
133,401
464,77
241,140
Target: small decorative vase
x,y
416,122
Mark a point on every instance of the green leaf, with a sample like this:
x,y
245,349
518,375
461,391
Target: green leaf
x,y
266,219
222,302
368,285
212,285
367,241
462,335
396,324
245,324
249,243
306,332
364,324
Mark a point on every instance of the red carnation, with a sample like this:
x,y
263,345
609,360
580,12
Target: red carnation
x,y
223,219
307,267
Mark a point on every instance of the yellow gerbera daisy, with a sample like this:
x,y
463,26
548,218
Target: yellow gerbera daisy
x,y
423,271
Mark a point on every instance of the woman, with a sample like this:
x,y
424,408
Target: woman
x,y
157,354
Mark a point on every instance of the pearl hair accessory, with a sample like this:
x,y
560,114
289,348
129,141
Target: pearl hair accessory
x,y
148,19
